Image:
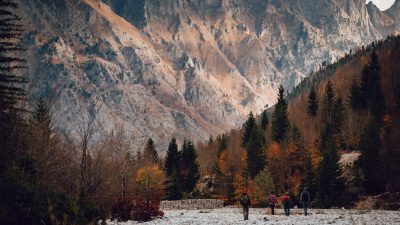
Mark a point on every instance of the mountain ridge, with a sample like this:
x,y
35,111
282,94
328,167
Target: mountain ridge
x,y
185,69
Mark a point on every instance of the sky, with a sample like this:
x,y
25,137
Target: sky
x,y
382,4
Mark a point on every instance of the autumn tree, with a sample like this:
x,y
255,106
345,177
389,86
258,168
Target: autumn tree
x,y
280,121
264,185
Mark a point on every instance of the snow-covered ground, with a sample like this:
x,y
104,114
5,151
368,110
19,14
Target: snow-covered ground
x,y
260,216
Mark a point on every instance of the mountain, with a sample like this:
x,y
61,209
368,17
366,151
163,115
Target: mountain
x,y
183,68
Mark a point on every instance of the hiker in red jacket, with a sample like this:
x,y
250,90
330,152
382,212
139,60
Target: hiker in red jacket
x,y
272,202
286,204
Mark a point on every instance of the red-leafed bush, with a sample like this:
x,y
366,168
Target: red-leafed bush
x,y
146,210
122,209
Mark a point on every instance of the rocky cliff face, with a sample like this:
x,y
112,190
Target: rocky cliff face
x,y
184,68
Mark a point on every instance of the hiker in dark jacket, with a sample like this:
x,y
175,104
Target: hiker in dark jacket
x,y
286,204
245,202
272,202
305,200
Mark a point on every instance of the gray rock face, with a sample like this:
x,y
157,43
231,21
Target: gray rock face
x,y
184,68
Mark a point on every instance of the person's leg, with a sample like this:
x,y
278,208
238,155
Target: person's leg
x,y
273,209
244,213
305,208
247,213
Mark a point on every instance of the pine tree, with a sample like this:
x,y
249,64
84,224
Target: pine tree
x,y
328,103
308,178
255,152
11,84
222,143
371,88
248,127
371,164
280,121
172,171
189,167
264,120
312,103
172,158
150,153
173,186
355,98
330,181
337,115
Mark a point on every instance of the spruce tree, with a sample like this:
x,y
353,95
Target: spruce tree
x,y
371,165
150,153
337,115
328,103
264,120
280,121
222,143
308,178
330,181
248,127
17,174
173,186
312,103
371,88
172,158
189,167
255,152
355,97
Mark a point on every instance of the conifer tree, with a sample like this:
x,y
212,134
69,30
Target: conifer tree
x,y
371,88
264,120
280,121
222,143
308,178
172,158
150,153
337,115
173,186
355,97
172,170
371,164
330,181
328,102
312,103
248,127
189,167
255,152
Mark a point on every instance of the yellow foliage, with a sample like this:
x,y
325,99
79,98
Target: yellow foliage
x,y
149,182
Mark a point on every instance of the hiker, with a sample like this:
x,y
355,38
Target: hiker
x,y
305,200
245,202
286,204
272,202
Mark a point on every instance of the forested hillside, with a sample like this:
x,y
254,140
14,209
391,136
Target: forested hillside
x,y
336,133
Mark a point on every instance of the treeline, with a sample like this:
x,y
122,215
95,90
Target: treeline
x,y
85,176
351,107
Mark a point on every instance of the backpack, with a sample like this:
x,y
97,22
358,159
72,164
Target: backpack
x,y
305,196
272,199
287,203
245,200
